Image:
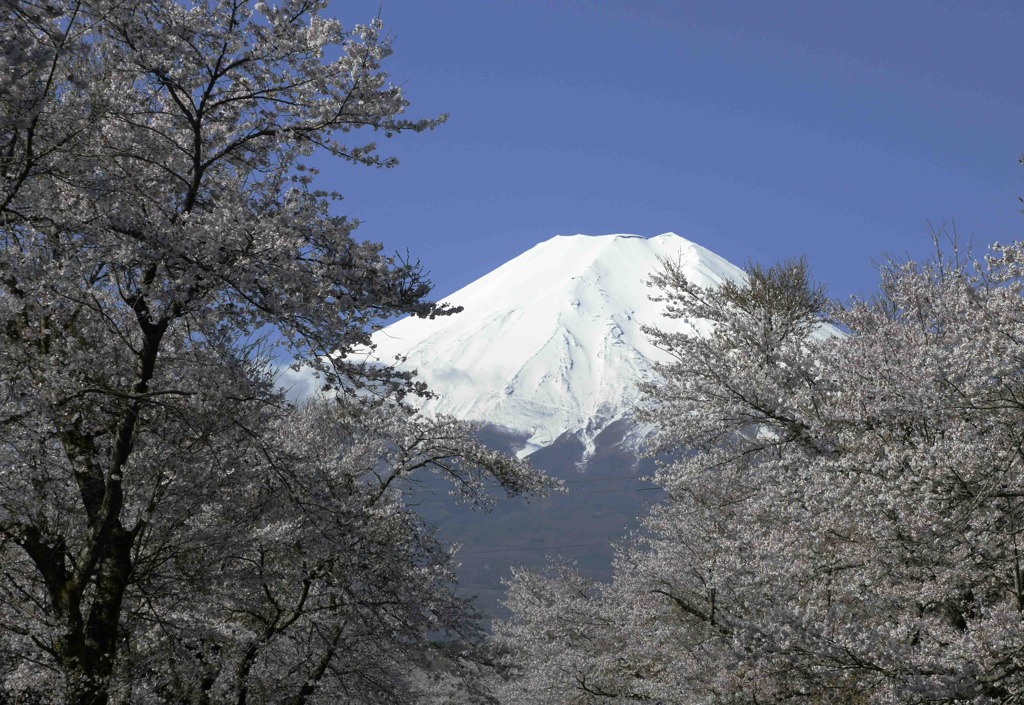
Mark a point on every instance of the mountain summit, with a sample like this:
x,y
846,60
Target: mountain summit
x,y
550,342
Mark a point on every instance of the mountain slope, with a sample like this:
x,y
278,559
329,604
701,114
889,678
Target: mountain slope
x,y
550,342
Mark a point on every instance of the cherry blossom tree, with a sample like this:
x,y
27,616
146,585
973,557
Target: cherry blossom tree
x,y
843,512
171,529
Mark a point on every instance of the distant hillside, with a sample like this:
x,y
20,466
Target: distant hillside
x,y
605,496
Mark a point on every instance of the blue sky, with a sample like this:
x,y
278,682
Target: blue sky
x,y
761,130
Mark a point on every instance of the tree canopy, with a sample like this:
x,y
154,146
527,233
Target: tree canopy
x,y
171,529
843,510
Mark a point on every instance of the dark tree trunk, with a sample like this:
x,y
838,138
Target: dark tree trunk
x,y
89,649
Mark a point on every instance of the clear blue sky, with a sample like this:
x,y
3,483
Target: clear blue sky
x,y
758,129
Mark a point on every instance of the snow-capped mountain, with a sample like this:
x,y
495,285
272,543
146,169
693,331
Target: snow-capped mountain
x,y
550,342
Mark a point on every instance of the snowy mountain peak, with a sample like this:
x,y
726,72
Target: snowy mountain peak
x,y
550,342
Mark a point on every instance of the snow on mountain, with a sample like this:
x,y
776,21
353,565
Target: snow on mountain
x,y
551,341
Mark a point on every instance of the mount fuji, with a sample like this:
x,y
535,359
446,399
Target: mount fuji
x,y
550,344
546,354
